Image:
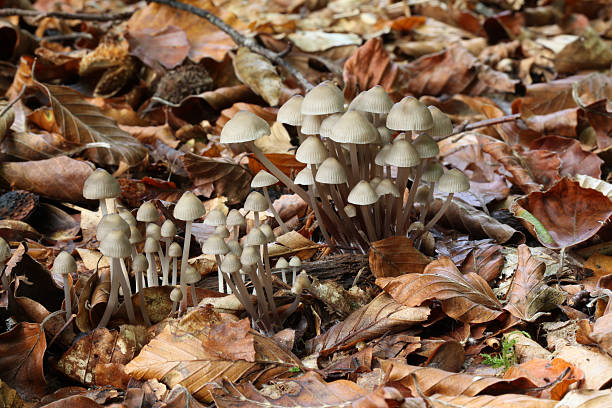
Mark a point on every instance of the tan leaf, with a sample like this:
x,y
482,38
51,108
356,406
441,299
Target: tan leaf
x,y
587,52
467,298
380,316
6,120
586,399
9,397
597,367
490,401
259,74
395,256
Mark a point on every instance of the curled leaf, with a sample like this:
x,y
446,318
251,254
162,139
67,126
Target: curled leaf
x,y
259,74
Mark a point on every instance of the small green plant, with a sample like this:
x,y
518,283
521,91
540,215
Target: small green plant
x,y
295,369
506,357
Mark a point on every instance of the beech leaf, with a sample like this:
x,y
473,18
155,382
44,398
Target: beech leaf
x,y
394,256
259,74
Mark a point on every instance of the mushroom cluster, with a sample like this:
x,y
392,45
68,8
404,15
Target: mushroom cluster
x,y
358,162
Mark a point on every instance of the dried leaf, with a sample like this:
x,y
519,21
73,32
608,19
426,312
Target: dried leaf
x,y
285,162
395,256
467,298
259,74
587,52
573,159
597,367
491,401
586,399
595,184
168,46
544,372
602,332
316,40
9,397
565,215
505,155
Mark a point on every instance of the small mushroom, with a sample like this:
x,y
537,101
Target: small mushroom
x,y
100,185
264,180
453,181
235,220
192,276
168,231
65,265
364,195
151,246
257,203
174,252
176,296
140,265
282,264
215,245
295,263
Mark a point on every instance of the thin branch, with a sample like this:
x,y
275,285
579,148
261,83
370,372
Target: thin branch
x,y
483,123
63,15
240,39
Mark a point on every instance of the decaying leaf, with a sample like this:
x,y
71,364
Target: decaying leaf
x,y
395,256
259,74
544,372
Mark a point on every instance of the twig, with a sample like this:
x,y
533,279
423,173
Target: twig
x,y
13,102
239,39
483,123
67,37
69,16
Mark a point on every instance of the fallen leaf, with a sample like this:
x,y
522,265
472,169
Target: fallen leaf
x,y
595,184
491,401
501,152
587,52
9,397
586,399
259,74
285,162
395,256
148,134
597,367
544,372
315,40
168,46
467,298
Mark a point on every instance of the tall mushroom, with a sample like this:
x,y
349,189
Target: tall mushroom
x,y
257,203
215,245
140,265
173,253
65,265
150,247
364,195
192,276
451,182
235,220
168,231
100,185
295,263
264,180
403,156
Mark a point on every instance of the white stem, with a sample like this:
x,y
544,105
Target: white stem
x,y
220,274
126,275
129,307
185,258
112,297
103,208
150,270
166,271
67,299
174,270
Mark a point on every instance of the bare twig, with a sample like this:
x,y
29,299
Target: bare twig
x,y
483,123
63,15
240,39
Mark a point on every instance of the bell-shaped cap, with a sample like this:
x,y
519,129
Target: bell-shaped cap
x,y
222,231
256,202
140,263
100,184
381,157
409,114
191,275
331,172
215,218
387,186
328,124
374,182
64,264
168,229
231,263
311,124
281,263
128,217
250,256
255,237
151,245
235,218
153,231
235,247
135,235
304,177
189,207
291,111
350,210
111,222
426,147
354,128
115,245
267,231
244,127
263,179
175,250
215,245
362,194
176,295
356,102
295,262
402,154
5,251
432,173
422,194
311,151
453,181
374,100
323,99
385,135
442,125
147,212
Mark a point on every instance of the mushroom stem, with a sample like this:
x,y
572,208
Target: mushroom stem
x,y
166,272
402,179
267,286
129,307
112,297
438,215
67,299
277,172
103,208
174,270
315,208
150,271
220,274
162,262
239,289
134,252
236,232
346,219
126,275
412,194
354,162
378,218
256,218
194,298
425,208
367,217
185,257
141,299
275,213
262,302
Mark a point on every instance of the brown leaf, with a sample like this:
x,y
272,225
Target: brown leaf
x,y
60,178
21,359
9,397
224,176
259,74
395,256
380,316
543,165
467,298
82,124
544,372
501,152
148,134
602,332
588,51
168,46
597,367
565,215
285,162
485,260
491,401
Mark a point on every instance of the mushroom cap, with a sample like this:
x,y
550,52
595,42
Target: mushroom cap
x,y
189,207
235,218
191,275
301,282
453,181
291,111
153,231
354,128
249,256
385,135
311,151
140,263
176,295
374,100
215,245
331,172
402,154
256,202
374,182
295,261
135,235
231,263
244,127
221,231
111,222
422,194
235,247
311,124
263,179
304,177
362,194
350,210
147,212
267,231
426,147
151,245
215,218
356,103
442,124
100,184
64,264
115,245
5,250
432,173
409,114
128,217
255,237
328,123
281,263
381,157
168,229
175,250
387,186
323,99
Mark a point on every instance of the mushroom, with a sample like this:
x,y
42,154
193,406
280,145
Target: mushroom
x,y
215,218
173,253
291,113
282,264
249,259
442,125
147,213
222,232
176,296
323,99
409,114
168,231
154,232
151,246
311,124
386,187
188,208
264,180
100,185
257,203
363,195
235,220
192,276
431,175
112,222
135,239
257,238
215,245
267,231
231,270
65,265
403,156
139,265
375,101
115,246
295,263
128,218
